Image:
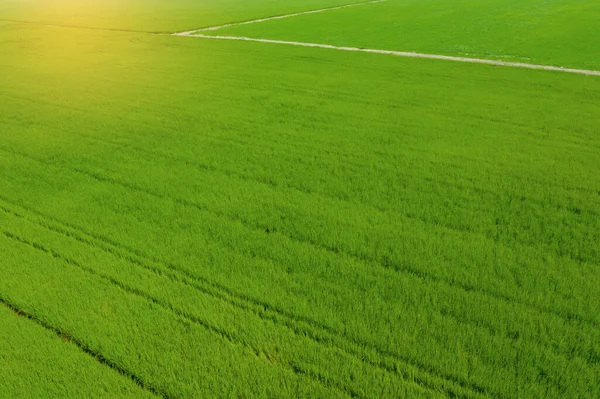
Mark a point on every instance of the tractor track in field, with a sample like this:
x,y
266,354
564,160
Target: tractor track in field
x,y
261,310
293,318
298,325
224,334
362,258
170,308
410,271
83,347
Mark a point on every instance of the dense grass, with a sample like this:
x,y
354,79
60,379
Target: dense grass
x,y
556,32
35,363
241,219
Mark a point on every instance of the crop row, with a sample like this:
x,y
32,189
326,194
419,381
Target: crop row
x,y
431,309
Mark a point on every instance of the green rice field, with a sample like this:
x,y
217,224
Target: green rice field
x,y
555,32
194,217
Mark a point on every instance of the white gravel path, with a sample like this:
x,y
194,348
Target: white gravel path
x,y
406,54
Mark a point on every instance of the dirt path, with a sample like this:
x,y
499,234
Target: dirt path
x,y
254,21
406,54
